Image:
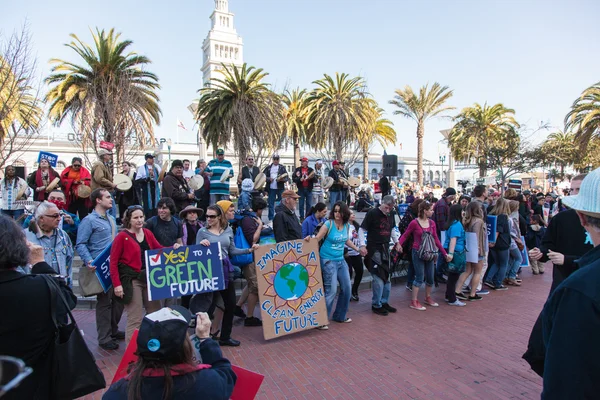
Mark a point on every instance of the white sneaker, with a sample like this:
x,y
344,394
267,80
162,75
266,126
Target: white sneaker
x,y
457,303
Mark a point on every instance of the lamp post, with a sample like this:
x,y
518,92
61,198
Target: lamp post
x,y
169,143
442,160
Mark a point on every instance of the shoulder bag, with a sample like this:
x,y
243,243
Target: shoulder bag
x,y
74,370
88,280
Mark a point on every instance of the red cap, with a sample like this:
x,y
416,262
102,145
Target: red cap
x,y
335,162
304,159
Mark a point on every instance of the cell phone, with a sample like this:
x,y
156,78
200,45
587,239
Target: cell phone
x,y
193,321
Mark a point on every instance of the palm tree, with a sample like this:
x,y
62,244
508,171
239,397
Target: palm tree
x,y
380,130
296,119
479,130
560,150
584,117
428,103
242,110
19,106
109,96
338,115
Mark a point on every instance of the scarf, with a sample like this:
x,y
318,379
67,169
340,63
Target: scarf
x,y
156,190
39,182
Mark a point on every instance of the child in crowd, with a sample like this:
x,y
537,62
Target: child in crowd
x,y
245,200
535,233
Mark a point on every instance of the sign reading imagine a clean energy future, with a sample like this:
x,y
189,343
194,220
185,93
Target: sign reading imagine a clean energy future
x,y
290,287
187,270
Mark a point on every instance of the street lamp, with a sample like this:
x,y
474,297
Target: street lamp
x,y
442,160
169,143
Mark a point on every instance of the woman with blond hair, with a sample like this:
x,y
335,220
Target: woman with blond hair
x,y
500,248
474,223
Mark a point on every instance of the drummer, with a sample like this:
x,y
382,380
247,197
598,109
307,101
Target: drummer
x,y
13,189
318,195
102,176
304,178
249,171
345,187
129,197
41,179
276,179
219,188
176,187
147,183
72,178
188,171
335,191
203,194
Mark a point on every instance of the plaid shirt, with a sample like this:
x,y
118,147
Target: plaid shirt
x,y
441,209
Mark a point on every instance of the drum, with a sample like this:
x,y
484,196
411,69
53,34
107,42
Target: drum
x,y
123,182
163,171
21,192
196,182
225,175
354,182
53,185
327,183
83,191
282,177
260,180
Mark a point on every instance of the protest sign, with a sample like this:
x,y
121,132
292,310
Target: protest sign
x,y
246,386
52,158
290,287
470,245
187,270
492,222
102,264
524,254
402,208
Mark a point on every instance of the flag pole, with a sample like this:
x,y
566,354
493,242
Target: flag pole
x,y
177,138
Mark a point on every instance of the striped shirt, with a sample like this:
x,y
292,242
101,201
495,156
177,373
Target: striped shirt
x,y
217,168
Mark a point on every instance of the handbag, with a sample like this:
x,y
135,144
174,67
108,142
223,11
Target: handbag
x,y
241,243
88,282
74,369
458,263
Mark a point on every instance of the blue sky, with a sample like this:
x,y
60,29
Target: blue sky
x,y
533,56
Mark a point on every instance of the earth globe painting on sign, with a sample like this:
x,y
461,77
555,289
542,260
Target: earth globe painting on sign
x,y
291,281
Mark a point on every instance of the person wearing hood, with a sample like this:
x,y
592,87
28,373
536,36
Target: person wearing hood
x,y
245,200
176,187
286,225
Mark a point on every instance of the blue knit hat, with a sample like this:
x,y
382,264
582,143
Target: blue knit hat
x,y
588,199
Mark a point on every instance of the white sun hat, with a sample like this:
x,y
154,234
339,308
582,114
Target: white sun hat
x,y
588,199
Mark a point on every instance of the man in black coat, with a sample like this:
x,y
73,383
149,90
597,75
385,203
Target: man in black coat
x,y
304,178
286,225
276,179
249,171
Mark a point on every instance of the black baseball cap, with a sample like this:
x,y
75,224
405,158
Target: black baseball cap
x,y
163,332
148,155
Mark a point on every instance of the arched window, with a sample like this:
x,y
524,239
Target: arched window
x,y
408,175
430,175
61,164
437,175
445,176
356,172
415,175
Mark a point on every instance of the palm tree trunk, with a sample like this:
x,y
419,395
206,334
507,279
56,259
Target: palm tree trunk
x,y
420,134
296,150
365,163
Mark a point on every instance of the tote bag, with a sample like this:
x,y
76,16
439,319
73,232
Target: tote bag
x,y
241,243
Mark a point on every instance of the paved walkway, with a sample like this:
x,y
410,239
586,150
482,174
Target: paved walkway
x,y
471,352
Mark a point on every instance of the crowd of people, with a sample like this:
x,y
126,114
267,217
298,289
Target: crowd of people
x,y
185,206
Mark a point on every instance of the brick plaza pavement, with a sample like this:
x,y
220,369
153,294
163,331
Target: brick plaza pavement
x,y
442,353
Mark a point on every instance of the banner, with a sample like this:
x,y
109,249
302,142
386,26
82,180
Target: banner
x,y
52,158
471,245
492,222
187,270
402,208
246,386
290,287
524,254
102,264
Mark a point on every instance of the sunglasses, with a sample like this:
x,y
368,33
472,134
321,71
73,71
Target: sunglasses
x,y
76,165
53,216
133,208
211,216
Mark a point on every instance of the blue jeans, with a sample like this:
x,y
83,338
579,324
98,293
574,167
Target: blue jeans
x,y
514,262
334,271
274,195
498,269
410,273
334,197
305,197
15,214
381,291
423,270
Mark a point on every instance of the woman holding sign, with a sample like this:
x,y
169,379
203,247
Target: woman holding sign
x,y
473,222
128,268
218,231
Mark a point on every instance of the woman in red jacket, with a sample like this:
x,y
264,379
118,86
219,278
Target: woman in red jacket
x,y
128,268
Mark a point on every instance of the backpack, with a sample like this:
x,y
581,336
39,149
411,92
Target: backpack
x,y
241,243
318,228
428,250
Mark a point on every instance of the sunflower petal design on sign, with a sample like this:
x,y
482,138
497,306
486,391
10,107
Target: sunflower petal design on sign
x,y
290,287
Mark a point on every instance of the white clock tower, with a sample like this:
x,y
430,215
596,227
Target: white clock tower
x,y
222,45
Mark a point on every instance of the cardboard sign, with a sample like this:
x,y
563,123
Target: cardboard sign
x,y
524,254
492,222
52,158
246,386
102,264
187,270
290,287
471,244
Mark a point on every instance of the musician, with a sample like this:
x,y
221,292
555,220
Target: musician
x,y
188,172
72,178
129,197
147,181
219,190
102,176
11,185
317,191
249,171
335,191
345,187
304,178
40,180
176,187
203,194
276,179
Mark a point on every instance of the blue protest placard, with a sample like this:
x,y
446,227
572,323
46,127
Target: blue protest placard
x,y
187,270
402,208
52,158
524,254
492,222
102,264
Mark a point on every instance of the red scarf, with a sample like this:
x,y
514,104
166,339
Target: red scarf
x,y
71,189
42,195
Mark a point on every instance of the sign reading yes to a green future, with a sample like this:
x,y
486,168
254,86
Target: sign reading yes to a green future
x,y
187,270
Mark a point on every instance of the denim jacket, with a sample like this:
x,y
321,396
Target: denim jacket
x,y
94,235
59,256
